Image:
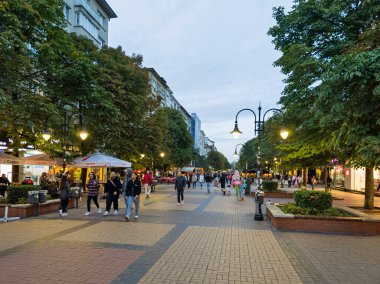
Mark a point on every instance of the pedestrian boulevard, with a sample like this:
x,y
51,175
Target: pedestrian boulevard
x,y
211,238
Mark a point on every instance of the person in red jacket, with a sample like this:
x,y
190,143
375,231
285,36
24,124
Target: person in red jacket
x,y
147,182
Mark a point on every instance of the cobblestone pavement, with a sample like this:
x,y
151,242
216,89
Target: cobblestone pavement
x,y
209,239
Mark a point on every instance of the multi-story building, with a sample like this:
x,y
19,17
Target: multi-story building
x,y
161,90
89,18
209,145
196,131
202,150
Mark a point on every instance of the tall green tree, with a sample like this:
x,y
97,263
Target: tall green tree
x,y
218,161
330,58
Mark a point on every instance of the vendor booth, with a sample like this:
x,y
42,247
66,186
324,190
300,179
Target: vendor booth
x,y
6,163
99,163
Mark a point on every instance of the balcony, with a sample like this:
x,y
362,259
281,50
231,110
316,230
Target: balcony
x,y
89,10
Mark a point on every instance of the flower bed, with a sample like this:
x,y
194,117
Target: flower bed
x,y
359,224
30,210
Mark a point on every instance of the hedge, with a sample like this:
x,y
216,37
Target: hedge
x,y
16,194
269,185
312,199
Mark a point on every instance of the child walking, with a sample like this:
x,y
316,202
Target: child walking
x,y
216,184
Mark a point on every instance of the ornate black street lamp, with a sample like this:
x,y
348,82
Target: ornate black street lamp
x,y
65,121
236,153
259,130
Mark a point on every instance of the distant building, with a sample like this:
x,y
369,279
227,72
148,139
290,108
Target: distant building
x,y
202,150
209,145
196,131
88,18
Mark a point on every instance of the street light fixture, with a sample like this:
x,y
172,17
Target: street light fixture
x,y
259,129
65,120
162,154
236,153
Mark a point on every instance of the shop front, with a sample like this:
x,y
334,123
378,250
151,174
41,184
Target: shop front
x,y
354,179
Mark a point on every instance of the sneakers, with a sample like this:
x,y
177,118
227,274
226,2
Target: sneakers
x,y
177,204
136,216
116,212
99,210
182,202
60,212
88,213
105,213
65,214
126,219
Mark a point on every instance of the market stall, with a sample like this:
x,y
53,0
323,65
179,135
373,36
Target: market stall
x,y
6,163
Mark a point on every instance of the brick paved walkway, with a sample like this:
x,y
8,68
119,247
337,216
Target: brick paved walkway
x,y
210,239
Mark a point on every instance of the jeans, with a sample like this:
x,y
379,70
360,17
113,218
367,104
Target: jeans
x,y
147,189
179,195
95,198
112,199
201,184
64,204
194,184
208,186
128,204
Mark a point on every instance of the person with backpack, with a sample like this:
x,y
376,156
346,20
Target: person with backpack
x,y
132,195
208,179
180,185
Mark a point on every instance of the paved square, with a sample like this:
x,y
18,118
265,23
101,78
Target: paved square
x,y
217,255
66,264
15,233
171,206
230,205
120,233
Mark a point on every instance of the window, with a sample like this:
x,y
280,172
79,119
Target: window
x,y
66,11
102,19
102,41
85,22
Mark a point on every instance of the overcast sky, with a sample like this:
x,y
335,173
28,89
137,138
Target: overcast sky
x,y
215,55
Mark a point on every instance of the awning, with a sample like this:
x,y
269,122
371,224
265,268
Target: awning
x,y
6,159
41,159
188,169
100,160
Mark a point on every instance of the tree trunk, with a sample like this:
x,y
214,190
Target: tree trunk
x,y
326,176
369,189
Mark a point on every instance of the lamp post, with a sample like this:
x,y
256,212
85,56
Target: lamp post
x,y
65,123
236,153
259,130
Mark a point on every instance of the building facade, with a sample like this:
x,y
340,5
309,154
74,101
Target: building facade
x,y
196,131
88,18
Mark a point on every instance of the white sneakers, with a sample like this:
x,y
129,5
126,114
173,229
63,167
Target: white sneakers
x,y
105,213
88,213
60,212
182,202
116,212
136,216
99,210
65,214
178,204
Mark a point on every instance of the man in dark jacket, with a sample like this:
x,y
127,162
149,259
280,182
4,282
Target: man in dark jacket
x,y
112,189
208,179
180,184
132,194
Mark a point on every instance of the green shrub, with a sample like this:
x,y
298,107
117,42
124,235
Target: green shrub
x,y
19,191
269,186
3,200
22,200
292,208
312,199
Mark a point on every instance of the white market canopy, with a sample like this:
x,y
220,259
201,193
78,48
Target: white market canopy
x,y
6,159
100,160
41,159
188,169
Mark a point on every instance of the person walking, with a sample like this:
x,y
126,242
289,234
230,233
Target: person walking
x,y
132,195
223,181
248,182
44,181
216,184
112,189
313,182
93,192
180,185
64,188
188,180
208,179
147,181
194,179
201,180
4,182
127,178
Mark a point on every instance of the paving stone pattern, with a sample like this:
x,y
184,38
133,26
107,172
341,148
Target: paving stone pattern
x,y
210,239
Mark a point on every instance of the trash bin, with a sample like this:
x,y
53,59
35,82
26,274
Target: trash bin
x,y
259,200
33,197
42,194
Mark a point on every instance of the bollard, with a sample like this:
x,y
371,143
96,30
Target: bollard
x,y
259,199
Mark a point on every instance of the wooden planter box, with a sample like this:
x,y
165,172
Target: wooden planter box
x,y
363,224
30,210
